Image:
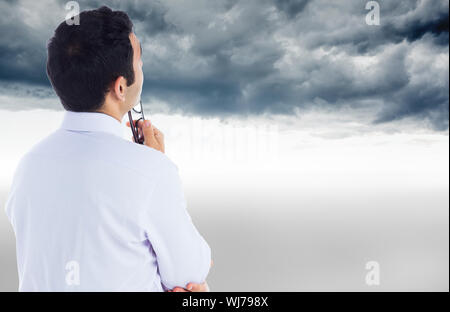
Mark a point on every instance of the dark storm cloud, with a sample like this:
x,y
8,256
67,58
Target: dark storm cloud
x,y
22,53
151,15
291,7
415,28
400,20
219,58
429,103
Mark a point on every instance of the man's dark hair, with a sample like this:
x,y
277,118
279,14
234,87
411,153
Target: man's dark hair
x,y
83,60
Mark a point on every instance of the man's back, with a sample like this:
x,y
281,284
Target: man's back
x,y
94,212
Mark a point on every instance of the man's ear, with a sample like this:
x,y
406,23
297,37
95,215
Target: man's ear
x,y
120,88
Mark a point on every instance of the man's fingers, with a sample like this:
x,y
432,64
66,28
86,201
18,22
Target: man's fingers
x,y
153,137
128,123
148,129
203,287
134,123
142,125
192,287
158,133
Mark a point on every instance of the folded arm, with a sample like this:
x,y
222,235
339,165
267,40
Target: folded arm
x,y
192,287
182,254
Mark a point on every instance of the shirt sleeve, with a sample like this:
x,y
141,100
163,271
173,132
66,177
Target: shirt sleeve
x,y
182,254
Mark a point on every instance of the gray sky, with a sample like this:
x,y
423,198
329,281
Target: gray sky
x,y
245,58
359,169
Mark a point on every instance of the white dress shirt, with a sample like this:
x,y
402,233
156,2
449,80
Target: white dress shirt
x,y
92,211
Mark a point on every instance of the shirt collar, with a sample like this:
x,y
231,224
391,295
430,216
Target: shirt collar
x,y
91,121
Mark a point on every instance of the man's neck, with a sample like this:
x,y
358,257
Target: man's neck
x,y
113,113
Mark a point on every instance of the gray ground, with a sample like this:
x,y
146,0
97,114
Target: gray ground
x,y
273,239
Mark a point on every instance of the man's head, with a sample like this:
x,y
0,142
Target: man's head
x,y
96,66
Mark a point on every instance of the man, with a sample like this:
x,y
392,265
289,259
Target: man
x,y
92,211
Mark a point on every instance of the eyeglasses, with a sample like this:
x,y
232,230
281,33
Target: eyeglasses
x,y
137,114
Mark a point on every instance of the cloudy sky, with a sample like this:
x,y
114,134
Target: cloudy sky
x,y
293,123
244,58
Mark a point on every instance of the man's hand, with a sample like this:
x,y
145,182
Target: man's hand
x,y
152,136
191,287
